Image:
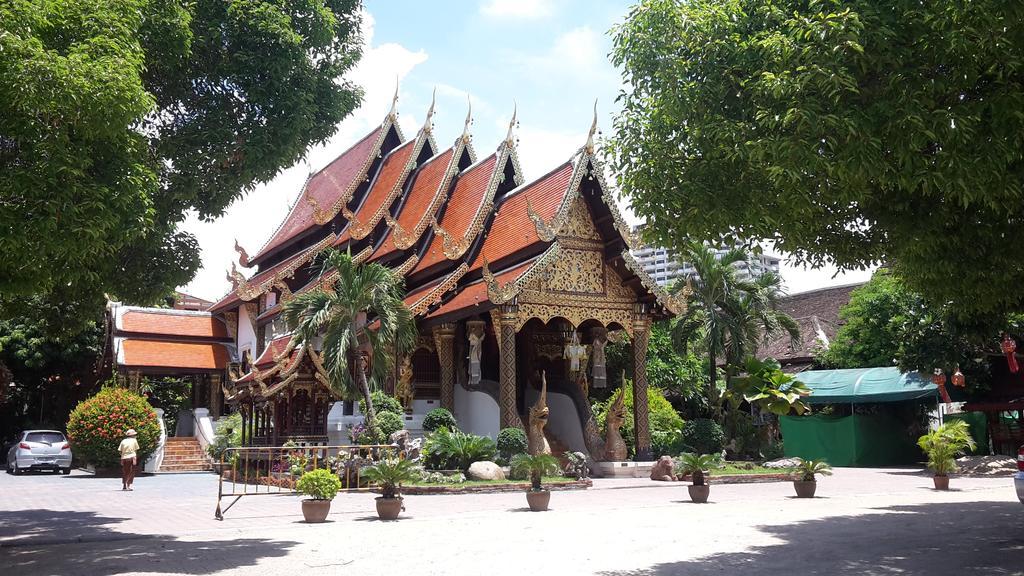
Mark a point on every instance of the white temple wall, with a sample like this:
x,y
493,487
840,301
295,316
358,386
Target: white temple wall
x,y
246,333
476,412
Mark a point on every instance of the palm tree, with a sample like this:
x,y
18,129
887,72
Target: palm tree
x,y
729,314
342,311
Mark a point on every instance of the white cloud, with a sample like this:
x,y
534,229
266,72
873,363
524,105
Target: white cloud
x,y
524,9
255,217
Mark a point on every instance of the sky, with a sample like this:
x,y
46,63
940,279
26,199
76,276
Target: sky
x,y
545,58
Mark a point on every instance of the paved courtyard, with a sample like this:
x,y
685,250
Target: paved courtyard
x,y
865,522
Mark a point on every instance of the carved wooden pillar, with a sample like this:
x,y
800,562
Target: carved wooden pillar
x,y
507,370
641,336
444,341
216,400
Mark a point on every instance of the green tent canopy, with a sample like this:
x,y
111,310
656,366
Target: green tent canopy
x,y
861,385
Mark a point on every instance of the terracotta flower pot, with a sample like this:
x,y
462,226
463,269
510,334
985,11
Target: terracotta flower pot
x,y
941,482
315,510
699,494
388,508
805,488
538,499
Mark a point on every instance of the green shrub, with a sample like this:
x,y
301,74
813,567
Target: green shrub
x,y
388,423
663,418
703,436
319,484
382,403
511,441
456,450
228,435
773,451
667,443
440,418
97,426
746,438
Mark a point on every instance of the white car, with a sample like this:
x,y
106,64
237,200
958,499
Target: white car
x,y
40,450
1018,480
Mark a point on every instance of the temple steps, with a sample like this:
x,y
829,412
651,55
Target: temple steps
x,y
184,454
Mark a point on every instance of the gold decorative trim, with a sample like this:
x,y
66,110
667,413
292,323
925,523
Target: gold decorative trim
x,y
362,255
358,229
322,217
673,303
246,291
243,256
286,292
499,294
235,277
402,239
434,296
406,266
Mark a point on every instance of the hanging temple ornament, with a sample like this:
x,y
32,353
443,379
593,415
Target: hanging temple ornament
x,y
1009,347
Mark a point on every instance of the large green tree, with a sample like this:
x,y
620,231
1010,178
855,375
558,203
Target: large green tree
x,y
851,131
359,311
120,117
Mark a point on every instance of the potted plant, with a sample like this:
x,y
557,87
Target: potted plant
x,y
942,446
804,480
321,486
698,466
536,466
389,475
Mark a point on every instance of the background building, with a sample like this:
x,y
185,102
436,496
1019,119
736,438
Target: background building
x,y
660,265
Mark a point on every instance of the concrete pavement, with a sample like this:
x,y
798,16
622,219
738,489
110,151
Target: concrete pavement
x,y
865,522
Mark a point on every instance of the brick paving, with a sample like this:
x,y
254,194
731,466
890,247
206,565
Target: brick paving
x,y
866,522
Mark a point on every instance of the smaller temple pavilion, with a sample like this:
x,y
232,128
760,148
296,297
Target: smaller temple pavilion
x,y
511,283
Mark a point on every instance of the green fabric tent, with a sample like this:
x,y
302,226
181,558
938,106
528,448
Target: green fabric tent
x,y
858,439
862,385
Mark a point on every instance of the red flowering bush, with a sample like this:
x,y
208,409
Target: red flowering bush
x,y
97,426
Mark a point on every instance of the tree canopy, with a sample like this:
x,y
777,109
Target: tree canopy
x,y
855,132
120,117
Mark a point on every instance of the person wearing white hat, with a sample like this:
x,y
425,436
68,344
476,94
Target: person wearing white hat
x,y
128,448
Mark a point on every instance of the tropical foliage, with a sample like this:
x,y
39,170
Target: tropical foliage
x,y
663,419
536,466
849,132
97,426
765,385
228,435
703,436
390,474
511,441
944,444
118,119
682,377
697,466
808,470
341,313
455,450
439,418
319,484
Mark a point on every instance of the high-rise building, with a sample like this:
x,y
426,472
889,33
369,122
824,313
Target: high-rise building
x,y
660,264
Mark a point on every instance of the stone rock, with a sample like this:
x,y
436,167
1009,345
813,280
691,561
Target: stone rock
x,y
663,470
485,470
782,463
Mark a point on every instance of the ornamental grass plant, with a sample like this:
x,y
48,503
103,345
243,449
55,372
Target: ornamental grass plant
x,y
98,424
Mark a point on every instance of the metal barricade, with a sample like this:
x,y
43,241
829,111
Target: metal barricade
x,y
263,470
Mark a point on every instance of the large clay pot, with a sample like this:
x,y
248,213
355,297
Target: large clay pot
x,y
805,488
699,494
538,499
388,508
941,482
315,510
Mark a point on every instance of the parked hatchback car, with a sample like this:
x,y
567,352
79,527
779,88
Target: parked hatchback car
x,y
40,450
1018,480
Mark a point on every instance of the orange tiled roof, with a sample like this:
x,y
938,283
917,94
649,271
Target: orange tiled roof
x,y
232,298
467,196
172,324
512,230
325,187
476,294
181,355
425,192
275,347
388,177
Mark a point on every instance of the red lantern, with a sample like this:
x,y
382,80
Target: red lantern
x,y
958,378
939,379
1009,346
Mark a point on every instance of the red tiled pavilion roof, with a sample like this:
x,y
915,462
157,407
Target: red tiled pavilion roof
x,y
476,294
178,355
275,347
422,201
326,187
169,323
232,298
512,229
468,195
389,176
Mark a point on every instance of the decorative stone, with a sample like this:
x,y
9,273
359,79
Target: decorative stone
x,y
485,470
663,470
782,463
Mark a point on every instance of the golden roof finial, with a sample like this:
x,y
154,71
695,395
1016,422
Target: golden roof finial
x,y
469,118
393,113
511,123
593,130
427,125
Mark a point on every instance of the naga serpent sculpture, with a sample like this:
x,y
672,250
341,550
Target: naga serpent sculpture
x,y
537,443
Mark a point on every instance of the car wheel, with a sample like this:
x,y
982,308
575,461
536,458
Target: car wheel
x,y
65,471
17,471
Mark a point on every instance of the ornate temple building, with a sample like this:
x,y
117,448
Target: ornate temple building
x,y
508,281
